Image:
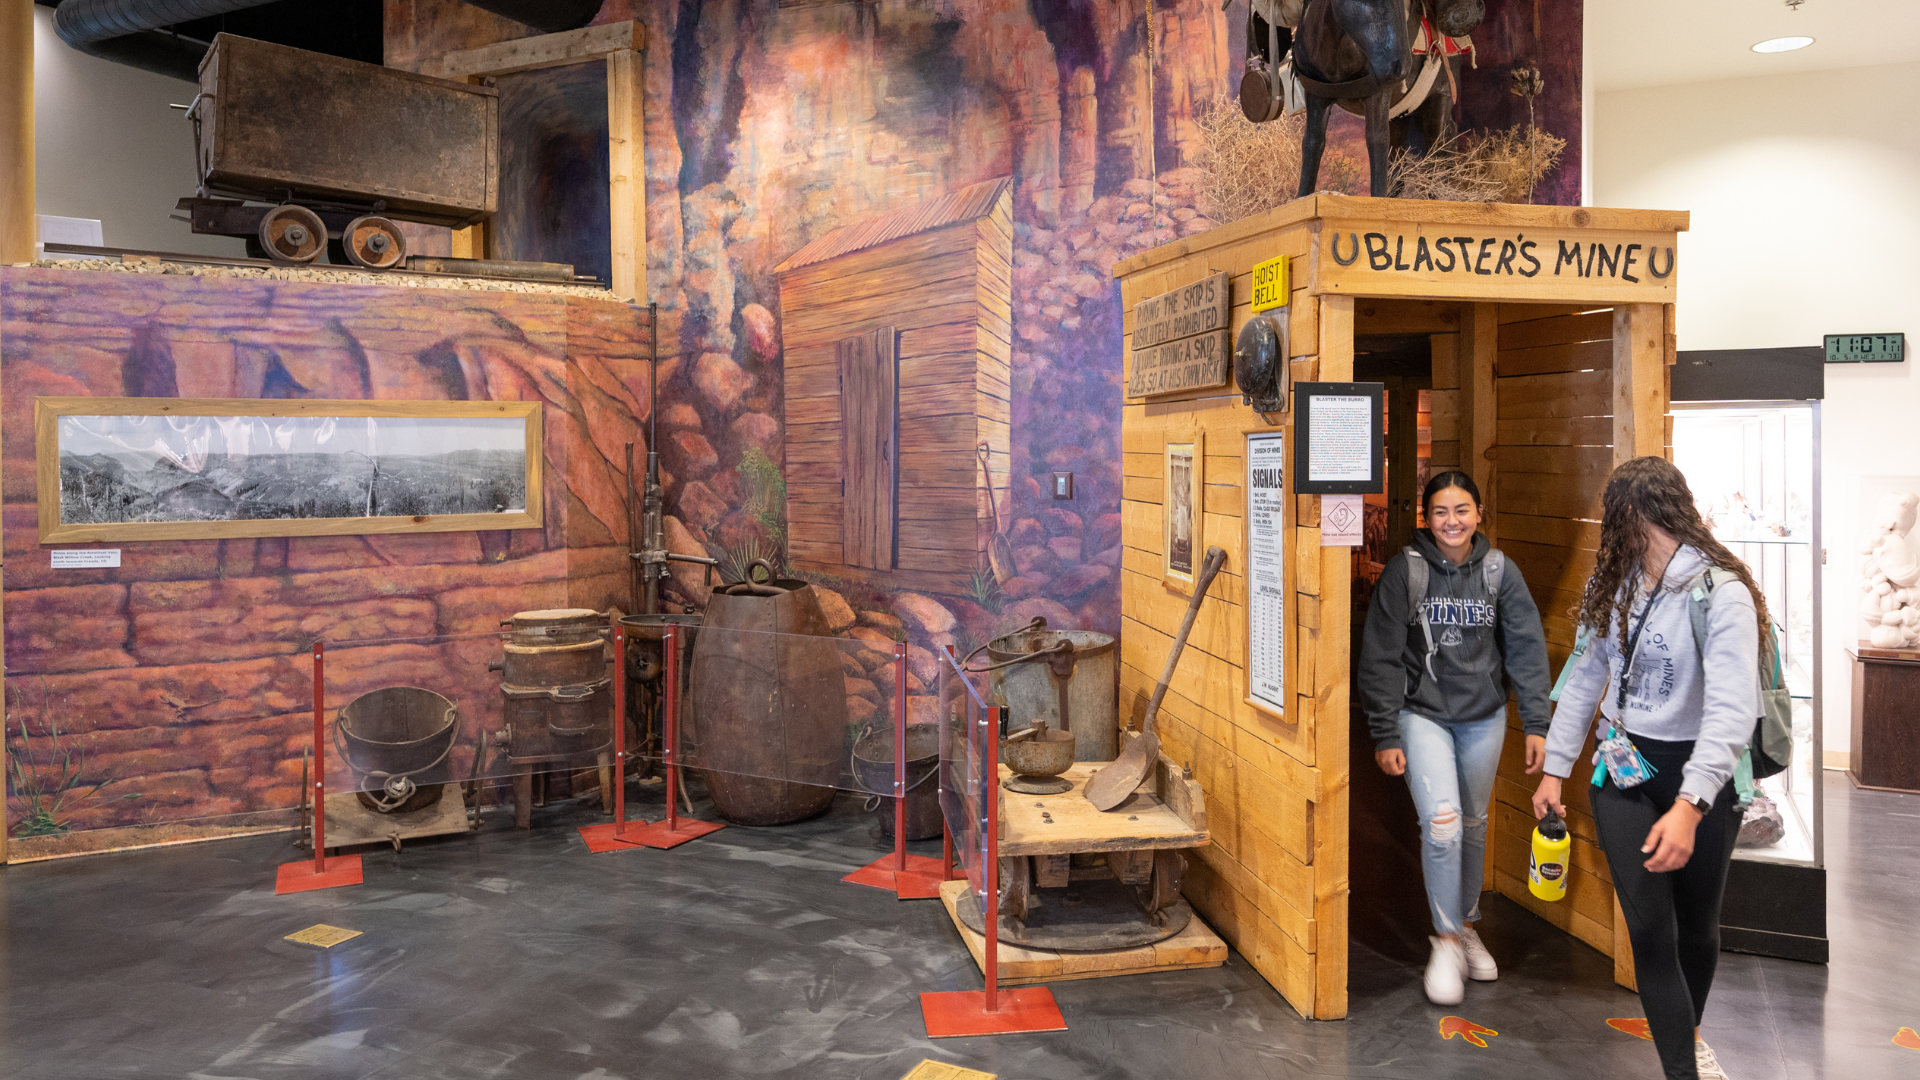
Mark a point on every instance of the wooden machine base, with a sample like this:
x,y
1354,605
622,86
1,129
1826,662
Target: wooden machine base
x,y
349,823
1195,947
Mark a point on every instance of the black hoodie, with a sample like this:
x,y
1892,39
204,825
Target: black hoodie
x,y
1476,640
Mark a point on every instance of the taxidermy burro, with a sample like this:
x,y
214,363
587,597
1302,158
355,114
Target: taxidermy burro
x,y
1359,54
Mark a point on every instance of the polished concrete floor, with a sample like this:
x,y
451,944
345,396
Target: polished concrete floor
x,y
511,954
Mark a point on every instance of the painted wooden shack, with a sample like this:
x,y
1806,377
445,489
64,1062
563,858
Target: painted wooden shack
x,y
896,333
1548,335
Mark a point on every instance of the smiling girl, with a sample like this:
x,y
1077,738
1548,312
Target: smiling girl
x,y
1433,676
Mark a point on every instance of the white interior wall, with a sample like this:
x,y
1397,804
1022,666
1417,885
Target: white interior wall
x,y
1805,196
108,147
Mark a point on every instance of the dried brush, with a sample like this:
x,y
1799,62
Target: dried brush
x,y
1251,168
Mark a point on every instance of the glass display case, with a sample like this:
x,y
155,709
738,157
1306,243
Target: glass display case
x,y
1754,470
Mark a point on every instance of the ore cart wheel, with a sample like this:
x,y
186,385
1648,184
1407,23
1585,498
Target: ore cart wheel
x,y
374,242
292,234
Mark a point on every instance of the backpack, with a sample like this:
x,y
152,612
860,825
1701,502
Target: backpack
x,y
1770,750
1494,567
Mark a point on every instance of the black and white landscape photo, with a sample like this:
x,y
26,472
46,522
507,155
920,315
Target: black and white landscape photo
x,y
119,469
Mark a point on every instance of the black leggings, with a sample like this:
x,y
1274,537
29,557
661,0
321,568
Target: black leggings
x,y
1673,919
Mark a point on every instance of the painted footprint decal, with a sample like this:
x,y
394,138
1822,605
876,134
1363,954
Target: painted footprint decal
x,y
1635,1026
1466,1029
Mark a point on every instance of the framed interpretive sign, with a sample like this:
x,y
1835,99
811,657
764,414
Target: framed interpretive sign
x,y
1339,438
1266,570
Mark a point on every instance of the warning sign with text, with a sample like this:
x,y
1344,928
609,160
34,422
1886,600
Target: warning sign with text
x,y
1180,339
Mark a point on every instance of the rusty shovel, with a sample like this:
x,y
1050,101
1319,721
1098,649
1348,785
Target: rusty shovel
x,y
1110,786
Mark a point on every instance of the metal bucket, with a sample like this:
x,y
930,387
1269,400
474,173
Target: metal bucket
x,y
766,722
396,741
873,768
1030,693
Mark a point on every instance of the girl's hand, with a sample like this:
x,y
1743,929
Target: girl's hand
x,y
1536,753
1671,840
1391,762
1547,796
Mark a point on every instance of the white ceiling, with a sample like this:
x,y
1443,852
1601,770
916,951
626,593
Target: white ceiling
x,y
1635,43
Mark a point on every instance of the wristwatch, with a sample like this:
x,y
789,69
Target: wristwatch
x,y
1702,805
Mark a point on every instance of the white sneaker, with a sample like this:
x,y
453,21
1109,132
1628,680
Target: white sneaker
x,y
1704,1061
1444,969
1480,965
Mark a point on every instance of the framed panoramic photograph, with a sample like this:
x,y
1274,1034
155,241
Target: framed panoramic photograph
x,y
216,468
1180,512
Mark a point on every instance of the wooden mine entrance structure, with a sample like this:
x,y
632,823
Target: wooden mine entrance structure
x,y
1548,333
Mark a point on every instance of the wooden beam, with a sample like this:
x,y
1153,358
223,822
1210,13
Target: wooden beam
x,y
545,50
1639,381
1331,887
1479,407
627,169
18,226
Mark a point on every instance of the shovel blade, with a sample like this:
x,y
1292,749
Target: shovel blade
x,y
1115,781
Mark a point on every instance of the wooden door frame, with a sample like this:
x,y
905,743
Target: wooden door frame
x,y
623,47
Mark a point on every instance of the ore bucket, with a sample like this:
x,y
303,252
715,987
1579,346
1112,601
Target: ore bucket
x,y
873,768
767,719
1030,693
396,741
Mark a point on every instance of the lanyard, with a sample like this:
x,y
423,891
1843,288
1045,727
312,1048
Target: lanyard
x,y
1633,646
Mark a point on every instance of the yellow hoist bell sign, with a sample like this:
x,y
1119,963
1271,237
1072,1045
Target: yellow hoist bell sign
x,y
1271,289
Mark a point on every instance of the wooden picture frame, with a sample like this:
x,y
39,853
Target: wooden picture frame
x,y
125,438
1265,492
1182,511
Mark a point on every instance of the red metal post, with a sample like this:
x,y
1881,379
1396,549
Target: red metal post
x,y
671,643
990,781
319,759
619,729
946,849
899,756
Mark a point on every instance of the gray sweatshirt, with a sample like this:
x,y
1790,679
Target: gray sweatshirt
x,y
1675,694
1484,642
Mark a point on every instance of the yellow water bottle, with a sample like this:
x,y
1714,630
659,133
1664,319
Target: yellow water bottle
x,y
1547,873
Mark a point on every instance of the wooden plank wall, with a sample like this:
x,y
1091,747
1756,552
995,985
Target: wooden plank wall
x,y
949,294
1274,879
1553,448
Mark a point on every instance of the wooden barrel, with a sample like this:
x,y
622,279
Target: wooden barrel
x,y
556,626
564,664
766,722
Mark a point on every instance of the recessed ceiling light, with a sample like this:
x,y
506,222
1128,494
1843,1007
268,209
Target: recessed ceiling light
x,y
1782,44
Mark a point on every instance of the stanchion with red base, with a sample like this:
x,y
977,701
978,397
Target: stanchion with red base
x,y
673,830
908,877
616,835
990,1011
318,872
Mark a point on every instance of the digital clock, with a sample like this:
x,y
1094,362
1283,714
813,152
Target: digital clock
x,y
1866,348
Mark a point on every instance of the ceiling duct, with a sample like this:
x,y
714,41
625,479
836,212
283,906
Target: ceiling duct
x,y
135,32
129,31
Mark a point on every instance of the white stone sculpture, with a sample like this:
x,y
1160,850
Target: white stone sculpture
x,y
1890,575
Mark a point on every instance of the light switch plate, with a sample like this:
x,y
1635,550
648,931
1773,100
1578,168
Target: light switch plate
x,y
1063,485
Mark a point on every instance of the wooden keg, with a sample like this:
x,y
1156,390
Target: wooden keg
x,y
555,626
767,723
564,664
556,723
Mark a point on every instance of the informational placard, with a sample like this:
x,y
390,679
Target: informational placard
x,y
1271,285
85,558
1339,439
1267,570
1343,520
1180,339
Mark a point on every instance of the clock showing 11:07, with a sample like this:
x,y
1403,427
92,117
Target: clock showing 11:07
x,y
1866,348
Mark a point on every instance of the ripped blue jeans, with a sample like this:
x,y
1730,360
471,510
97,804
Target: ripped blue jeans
x,y
1450,769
